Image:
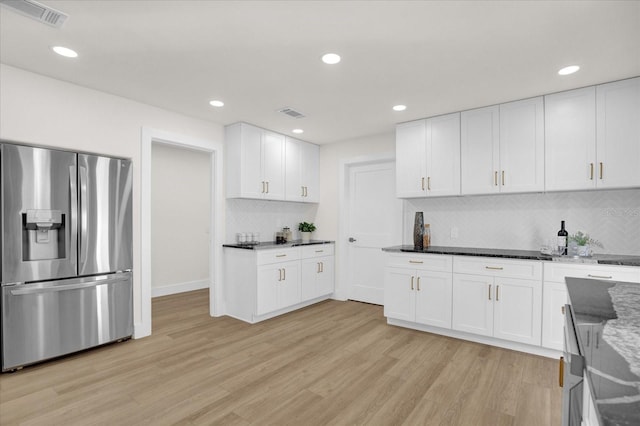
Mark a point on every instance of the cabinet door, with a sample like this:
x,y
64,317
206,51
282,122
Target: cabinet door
x,y
251,162
517,310
269,277
433,298
411,169
326,278
522,146
480,150
289,286
293,170
310,268
443,155
273,165
618,134
554,297
310,172
570,140
472,304
399,294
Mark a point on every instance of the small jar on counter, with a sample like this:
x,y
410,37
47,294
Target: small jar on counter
x,y
426,236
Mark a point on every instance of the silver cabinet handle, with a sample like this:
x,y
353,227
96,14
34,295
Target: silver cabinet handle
x,y
497,293
604,277
418,284
412,282
489,291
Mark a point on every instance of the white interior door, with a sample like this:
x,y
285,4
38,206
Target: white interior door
x,y
374,221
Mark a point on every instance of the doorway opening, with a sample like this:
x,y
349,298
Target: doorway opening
x,y
206,152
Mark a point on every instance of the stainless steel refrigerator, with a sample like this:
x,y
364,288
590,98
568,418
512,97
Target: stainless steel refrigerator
x,y
66,252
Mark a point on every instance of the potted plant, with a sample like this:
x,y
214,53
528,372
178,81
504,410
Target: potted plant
x,y
306,229
583,243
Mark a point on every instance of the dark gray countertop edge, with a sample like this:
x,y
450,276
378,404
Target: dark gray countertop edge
x,y
271,245
605,259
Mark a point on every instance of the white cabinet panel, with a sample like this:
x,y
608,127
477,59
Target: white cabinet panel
x,y
317,277
480,150
618,134
302,161
522,146
472,304
554,297
570,140
411,167
517,315
433,298
273,165
443,155
399,294
267,288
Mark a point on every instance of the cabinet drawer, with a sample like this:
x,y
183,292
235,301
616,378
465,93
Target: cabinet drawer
x,y
498,267
428,262
556,272
275,256
317,250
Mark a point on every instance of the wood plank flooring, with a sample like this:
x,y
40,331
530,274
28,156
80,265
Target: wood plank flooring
x,y
334,363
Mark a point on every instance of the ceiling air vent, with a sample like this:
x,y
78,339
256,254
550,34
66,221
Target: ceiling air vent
x,y
291,112
36,11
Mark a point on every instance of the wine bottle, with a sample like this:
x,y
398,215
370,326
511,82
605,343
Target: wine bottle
x,y
562,240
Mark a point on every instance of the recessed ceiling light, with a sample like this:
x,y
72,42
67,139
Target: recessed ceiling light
x,y
399,107
216,103
65,51
569,70
330,58
298,131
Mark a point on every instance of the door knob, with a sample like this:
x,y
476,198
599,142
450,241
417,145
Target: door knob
x,y
352,240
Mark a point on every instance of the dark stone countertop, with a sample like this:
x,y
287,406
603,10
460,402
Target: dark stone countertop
x,y
265,245
607,259
607,315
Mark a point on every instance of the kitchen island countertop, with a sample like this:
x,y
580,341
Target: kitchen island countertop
x,y
607,318
606,259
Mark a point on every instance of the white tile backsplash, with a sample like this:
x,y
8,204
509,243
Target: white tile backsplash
x,y
526,221
266,217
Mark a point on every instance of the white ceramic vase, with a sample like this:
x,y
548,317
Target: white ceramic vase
x,y
305,236
584,251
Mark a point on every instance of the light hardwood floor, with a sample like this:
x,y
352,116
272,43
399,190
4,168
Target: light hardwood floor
x,y
334,363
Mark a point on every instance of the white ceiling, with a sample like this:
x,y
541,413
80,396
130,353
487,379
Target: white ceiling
x,y
258,56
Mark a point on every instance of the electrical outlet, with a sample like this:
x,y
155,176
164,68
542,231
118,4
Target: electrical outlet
x,y
454,232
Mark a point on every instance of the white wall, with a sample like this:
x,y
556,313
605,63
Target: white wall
x,y
266,217
527,221
40,110
332,156
180,206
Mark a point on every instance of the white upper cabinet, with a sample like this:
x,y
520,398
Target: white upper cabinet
x,y
411,166
428,157
480,150
254,162
502,148
302,171
522,146
570,140
618,134
267,165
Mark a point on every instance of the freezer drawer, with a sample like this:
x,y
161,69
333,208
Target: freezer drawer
x,y
45,320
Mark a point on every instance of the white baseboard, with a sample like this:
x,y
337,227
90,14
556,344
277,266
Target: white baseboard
x,y
178,288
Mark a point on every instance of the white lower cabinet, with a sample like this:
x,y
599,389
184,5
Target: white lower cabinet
x,y
260,284
555,293
554,297
278,286
505,308
317,272
418,289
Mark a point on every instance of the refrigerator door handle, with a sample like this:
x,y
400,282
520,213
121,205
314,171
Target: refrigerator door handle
x,y
51,289
73,234
84,244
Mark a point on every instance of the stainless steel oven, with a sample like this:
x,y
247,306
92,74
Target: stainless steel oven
x,y
571,372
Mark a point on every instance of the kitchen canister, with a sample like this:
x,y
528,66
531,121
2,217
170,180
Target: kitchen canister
x,y
418,231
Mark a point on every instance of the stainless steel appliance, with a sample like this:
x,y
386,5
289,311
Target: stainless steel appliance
x,y
66,252
571,372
